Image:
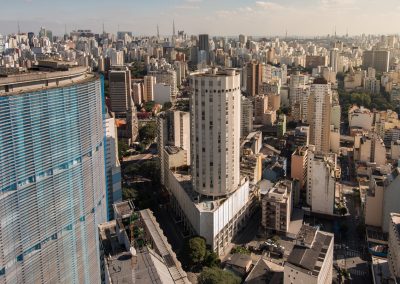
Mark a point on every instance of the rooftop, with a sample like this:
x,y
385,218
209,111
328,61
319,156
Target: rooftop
x,y
395,217
265,272
156,263
123,209
311,258
214,72
42,79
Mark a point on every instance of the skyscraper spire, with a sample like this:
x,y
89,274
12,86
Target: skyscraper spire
x,y
158,32
103,29
173,27
19,30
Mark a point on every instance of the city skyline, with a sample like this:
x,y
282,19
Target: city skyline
x,y
222,17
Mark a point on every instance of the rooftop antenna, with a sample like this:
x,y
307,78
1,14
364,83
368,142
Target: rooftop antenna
x,y
19,30
158,32
335,32
65,29
103,29
286,34
173,27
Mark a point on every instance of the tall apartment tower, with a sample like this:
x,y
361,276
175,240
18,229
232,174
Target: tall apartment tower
x,y
52,178
173,130
247,117
148,92
215,131
120,89
203,42
254,78
122,100
378,59
113,167
334,59
319,114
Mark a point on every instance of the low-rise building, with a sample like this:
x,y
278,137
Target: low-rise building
x,y
134,249
311,260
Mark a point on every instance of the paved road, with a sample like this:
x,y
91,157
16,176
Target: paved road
x,y
350,248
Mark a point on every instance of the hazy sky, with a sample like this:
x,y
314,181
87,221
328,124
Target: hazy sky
x,y
216,17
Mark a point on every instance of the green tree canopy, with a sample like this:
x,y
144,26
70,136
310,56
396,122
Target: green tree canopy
x,y
148,132
196,250
217,276
240,250
211,259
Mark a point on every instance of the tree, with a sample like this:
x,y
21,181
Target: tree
x,y
122,148
196,250
148,132
167,106
240,250
217,276
342,210
211,259
275,238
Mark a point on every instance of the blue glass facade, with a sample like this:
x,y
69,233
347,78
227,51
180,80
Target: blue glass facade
x,y
52,184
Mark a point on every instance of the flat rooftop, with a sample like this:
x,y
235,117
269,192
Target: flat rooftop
x,y
123,209
202,203
35,80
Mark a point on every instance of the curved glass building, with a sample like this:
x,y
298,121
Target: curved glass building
x,y
52,176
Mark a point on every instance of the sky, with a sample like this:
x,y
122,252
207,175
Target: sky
x,y
215,17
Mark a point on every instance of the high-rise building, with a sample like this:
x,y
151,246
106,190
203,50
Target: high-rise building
x,y
394,245
122,102
322,172
113,167
173,130
319,114
299,165
166,77
148,92
334,59
137,92
254,78
247,117
2,44
203,43
260,108
378,59
215,131
242,39
52,180
276,206
120,90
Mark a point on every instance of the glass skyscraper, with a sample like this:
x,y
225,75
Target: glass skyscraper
x,y
52,177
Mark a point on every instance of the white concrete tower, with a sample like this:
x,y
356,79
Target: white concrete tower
x,y
215,131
